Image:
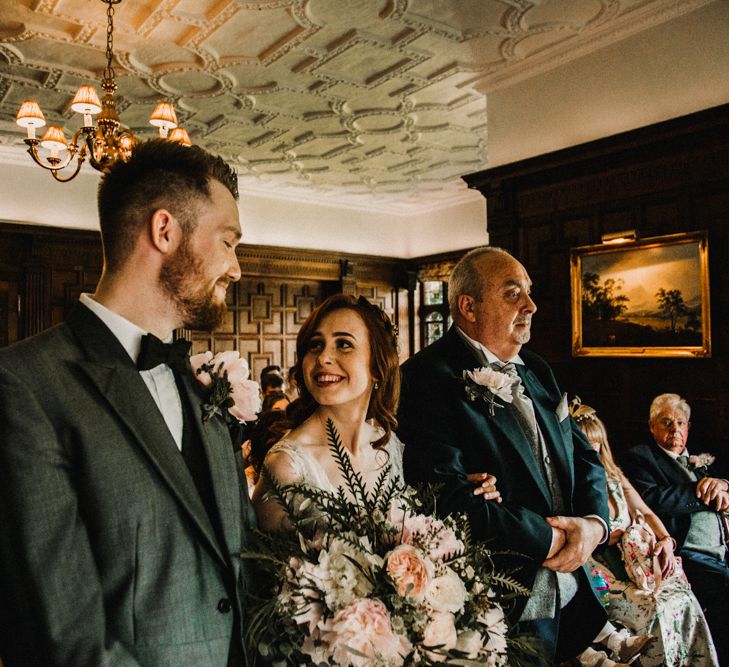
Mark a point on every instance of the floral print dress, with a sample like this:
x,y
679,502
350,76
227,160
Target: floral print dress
x,y
672,614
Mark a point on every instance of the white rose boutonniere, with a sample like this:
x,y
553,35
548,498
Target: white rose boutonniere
x,y
701,461
486,383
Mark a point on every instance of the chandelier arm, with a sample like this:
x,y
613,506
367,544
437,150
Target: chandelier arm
x,y
33,152
54,172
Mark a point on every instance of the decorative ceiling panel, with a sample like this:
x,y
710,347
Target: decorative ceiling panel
x,y
342,97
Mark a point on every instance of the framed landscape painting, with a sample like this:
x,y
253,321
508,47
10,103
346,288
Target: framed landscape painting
x,y
642,298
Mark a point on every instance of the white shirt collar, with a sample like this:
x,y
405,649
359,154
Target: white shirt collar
x,y
128,334
491,358
673,455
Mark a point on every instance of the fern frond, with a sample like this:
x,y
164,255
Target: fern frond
x,y
353,480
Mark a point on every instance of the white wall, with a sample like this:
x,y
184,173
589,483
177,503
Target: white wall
x,y
668,71
29,195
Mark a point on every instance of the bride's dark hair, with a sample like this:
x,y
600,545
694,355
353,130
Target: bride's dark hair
x,y
383,355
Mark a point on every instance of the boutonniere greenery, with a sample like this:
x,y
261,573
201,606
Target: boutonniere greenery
x,y
486,384
230,394
701,461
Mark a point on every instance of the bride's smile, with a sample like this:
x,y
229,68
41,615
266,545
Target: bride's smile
x,y
336,366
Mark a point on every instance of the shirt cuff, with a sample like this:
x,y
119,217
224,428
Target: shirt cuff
x,y
605,531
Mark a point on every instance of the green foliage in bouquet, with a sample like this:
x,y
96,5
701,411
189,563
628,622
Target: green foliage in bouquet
x,y
374,578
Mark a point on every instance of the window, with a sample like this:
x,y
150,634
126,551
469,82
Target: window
x,y
434,315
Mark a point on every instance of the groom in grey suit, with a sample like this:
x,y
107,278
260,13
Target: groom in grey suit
x,y
122,514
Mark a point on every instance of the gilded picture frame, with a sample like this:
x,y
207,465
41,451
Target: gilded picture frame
x,y
645,298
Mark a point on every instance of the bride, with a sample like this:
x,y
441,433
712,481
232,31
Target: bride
x,y
348,372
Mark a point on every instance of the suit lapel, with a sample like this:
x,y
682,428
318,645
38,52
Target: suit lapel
x,y
504,420
111,370
215,439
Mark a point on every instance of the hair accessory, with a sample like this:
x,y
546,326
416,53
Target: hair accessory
x,y
581,412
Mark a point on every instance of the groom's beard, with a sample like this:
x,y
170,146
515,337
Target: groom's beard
x,y
183,279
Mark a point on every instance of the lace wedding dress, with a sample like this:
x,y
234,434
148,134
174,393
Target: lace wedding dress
x,y
303,468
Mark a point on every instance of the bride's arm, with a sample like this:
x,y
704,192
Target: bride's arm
x,y
271,516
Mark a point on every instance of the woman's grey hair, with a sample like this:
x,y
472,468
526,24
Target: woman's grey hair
x,y
466,277
665,402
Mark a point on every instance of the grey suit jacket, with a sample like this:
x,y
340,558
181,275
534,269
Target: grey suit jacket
x,y
107,555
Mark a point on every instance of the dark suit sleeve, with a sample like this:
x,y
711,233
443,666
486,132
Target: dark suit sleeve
x,y
431,428
50,591
667,497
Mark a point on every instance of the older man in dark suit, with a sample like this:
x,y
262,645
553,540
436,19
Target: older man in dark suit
x,y
122,515
513,422
692,503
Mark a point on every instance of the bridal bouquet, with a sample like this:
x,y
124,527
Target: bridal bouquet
x,y
375,579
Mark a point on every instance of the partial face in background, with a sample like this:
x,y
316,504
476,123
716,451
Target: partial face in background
x,y
197,276
337,364
670,430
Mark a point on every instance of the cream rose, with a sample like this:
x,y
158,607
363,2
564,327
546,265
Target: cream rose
x,y
470,642
496,628
441,633
410,570
446,593
496,382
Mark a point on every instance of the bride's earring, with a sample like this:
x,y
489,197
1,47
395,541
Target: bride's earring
x,y
377,385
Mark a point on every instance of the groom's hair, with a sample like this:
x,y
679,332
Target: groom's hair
x,y
384,361
159,174
467,276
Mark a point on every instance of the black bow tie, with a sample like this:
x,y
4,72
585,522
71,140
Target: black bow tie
x,y
154,352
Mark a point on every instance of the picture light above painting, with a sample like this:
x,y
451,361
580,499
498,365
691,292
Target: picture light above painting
x,y
647,298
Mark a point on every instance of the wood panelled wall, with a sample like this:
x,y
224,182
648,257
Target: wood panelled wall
x,y
43,271
667,178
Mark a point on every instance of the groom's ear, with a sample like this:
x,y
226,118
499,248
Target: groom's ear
x,y
465,307
164,231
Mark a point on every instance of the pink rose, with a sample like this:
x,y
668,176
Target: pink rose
x,y
441,633
364,626
231,361
435,538
244,392
247,397
197,360
410,570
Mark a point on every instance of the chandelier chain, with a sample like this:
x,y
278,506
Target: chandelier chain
x,y
109,70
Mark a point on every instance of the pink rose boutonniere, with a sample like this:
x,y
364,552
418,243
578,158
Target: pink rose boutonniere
x,y
231,394
486,384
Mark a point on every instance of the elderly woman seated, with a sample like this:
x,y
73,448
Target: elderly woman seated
x,y
648,591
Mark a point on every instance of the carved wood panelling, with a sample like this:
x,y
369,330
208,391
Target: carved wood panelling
x,y
264,317
672,177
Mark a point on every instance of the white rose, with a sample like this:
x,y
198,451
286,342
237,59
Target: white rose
x,y
446,593
496,382
496,629
440,632
470,642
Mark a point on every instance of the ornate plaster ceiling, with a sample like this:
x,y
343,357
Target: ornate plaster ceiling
x,y
346,99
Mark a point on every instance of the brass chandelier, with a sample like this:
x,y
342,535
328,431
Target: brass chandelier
x,y
106,141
